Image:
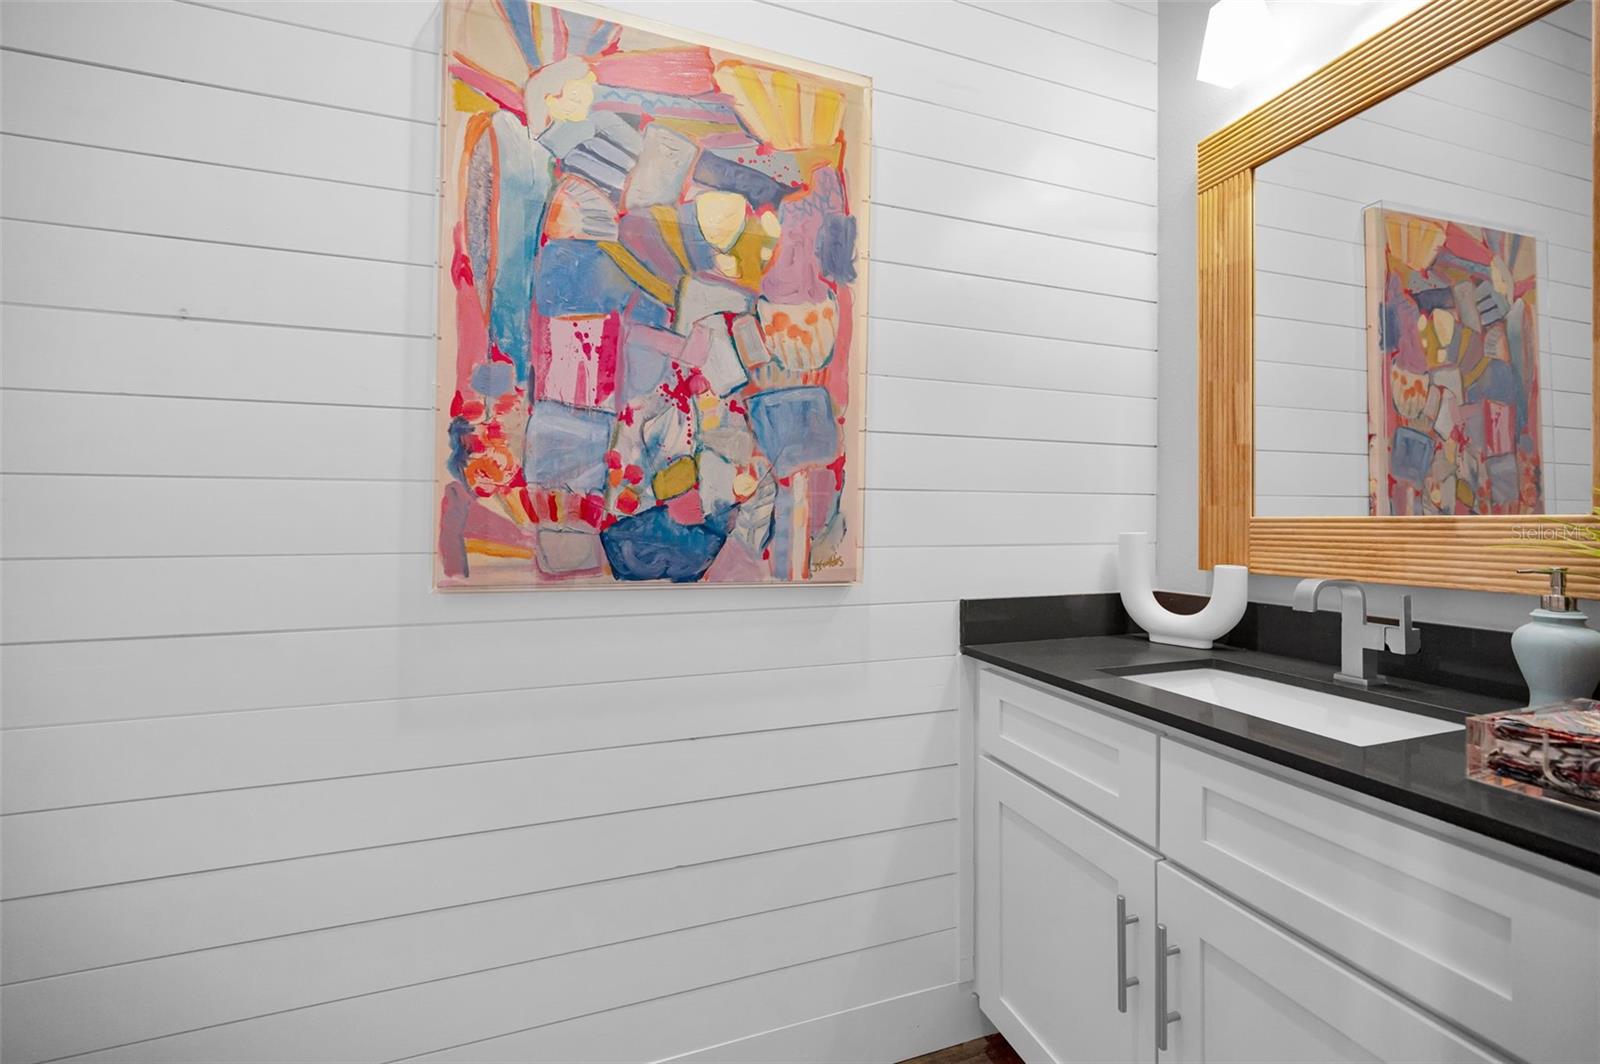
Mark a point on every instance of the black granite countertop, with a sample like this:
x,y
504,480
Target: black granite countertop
x,y
1426,775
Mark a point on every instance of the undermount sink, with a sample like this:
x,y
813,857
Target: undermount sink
x,y
1347,720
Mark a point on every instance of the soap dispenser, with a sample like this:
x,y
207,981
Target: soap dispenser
x,y
1557,651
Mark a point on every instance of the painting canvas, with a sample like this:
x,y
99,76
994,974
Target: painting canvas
x,y
653,302
1452,368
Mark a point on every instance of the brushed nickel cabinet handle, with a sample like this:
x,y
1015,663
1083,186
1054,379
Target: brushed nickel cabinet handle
x,y
1123,980
1163,1017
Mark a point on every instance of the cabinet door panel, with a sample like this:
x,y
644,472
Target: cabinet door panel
x,y
1101,764
1247,992
1048,880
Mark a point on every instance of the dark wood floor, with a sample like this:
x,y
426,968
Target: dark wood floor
x,y
990,1050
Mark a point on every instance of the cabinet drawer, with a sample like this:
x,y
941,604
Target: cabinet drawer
x,y
1099,763
1505,953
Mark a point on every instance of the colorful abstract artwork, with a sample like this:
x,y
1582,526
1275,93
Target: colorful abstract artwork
x,y
653,307
1452,368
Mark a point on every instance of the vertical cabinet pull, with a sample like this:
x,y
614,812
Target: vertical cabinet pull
x,y
1163,1017
1123,980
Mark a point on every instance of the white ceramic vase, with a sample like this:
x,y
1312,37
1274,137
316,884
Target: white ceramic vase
x,y
1230,586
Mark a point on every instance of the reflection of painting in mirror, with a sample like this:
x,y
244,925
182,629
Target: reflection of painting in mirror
x,y
1501,137
1453,368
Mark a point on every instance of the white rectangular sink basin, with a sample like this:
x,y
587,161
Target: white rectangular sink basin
x,y
1344,719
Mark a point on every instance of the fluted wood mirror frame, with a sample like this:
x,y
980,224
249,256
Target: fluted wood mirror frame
x,y
1478,553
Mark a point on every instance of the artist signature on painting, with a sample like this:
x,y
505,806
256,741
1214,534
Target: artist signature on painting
x,y
834,562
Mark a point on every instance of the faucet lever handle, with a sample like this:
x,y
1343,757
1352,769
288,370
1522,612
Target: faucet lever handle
x,y
1403,638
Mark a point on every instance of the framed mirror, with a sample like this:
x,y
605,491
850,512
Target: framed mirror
x,y
1397,373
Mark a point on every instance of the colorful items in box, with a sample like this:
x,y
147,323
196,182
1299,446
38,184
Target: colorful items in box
x,y
1555,748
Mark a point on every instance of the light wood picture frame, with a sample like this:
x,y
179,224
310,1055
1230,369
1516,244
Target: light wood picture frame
x,y
1480,553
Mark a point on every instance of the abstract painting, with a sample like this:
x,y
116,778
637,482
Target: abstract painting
x,y
1452,368
652,314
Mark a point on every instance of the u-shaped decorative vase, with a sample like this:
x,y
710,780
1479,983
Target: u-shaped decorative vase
x,y
1230,585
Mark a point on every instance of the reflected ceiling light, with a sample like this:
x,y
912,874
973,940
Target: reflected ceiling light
x,y
1239,41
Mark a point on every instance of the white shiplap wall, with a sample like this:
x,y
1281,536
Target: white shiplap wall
x,y
267,798
1502,136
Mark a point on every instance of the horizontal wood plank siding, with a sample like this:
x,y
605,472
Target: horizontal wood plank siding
x,y
266,796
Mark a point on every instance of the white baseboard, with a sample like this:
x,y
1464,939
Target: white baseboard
x,y
880,1033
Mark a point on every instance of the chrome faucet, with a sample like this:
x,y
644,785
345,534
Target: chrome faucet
x,y
1356,633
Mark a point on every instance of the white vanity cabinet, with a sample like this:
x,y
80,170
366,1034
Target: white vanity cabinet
x,y
1302,927
1511,955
